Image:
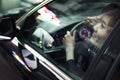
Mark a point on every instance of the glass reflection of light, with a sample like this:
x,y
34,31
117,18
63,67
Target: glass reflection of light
x,y
20,60
47,15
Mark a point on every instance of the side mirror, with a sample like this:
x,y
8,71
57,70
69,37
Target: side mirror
x,y
7,28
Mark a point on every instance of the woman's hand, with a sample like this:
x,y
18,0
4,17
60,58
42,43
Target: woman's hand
x,y
69,42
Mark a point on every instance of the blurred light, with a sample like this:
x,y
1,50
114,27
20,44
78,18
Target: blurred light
x,y
49,16
4,38
15,41
20,60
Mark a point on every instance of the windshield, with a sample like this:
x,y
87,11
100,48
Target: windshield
x,y
61,14
49,27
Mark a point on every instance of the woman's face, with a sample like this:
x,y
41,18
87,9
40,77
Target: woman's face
x,y
101,30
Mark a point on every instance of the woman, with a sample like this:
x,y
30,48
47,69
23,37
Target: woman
x,y
102,26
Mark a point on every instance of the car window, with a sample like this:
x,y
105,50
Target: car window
x,y
46,28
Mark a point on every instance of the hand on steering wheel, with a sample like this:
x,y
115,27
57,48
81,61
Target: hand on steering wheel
x,y
69,42
68,39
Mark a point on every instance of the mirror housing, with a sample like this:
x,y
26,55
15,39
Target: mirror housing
x,y
7,28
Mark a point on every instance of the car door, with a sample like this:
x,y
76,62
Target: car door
x,y
12,67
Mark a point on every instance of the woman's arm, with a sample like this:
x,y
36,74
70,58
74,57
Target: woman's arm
x,y
69,42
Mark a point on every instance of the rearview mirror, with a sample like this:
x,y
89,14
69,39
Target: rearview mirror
x,y
7,28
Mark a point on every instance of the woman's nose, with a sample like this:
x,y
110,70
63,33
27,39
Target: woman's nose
x,y
96,27
95,30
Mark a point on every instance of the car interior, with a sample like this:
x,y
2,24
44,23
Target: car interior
x,y
107,56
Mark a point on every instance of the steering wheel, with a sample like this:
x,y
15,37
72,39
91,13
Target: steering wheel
x,y
83,31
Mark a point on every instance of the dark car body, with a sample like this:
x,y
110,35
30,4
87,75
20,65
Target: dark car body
x,y
31,60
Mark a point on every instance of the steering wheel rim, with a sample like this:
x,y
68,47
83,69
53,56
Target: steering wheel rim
x,y
83,29
80,26
77,25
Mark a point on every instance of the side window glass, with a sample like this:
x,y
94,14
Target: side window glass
x,y
47,27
